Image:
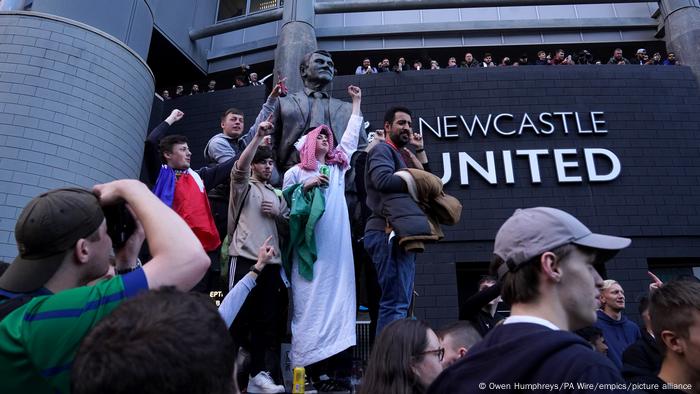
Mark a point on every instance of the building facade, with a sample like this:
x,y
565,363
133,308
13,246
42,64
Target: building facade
x,y
614,146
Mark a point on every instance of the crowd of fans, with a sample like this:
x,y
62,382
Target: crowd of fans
x,y
243,77
560,57
75,315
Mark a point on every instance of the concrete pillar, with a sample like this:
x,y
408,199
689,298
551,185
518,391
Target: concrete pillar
x,y
297,38
682,24
74,110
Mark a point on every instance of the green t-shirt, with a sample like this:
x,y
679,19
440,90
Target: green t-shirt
x,y
38,341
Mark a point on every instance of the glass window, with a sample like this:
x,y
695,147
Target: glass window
x,y
233,8
262,5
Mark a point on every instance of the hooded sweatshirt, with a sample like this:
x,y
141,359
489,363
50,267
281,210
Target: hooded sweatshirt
x,y
528,357
618,334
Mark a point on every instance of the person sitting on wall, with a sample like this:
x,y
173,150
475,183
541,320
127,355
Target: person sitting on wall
x,y
365,68
639,57
254,80
671,60
524,60
542,59
452,63
239,82
401,65
384,66
469,61
617,57
560,58
488,61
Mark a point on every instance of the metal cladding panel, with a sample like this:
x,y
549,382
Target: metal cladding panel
x,y
74,107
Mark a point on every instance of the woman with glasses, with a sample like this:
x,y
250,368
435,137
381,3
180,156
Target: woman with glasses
x,y
405,359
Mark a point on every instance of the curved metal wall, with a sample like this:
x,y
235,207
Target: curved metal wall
x,y
130,21
74,109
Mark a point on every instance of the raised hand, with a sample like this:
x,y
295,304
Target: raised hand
x,y
174,116
416,140
355,92
265,254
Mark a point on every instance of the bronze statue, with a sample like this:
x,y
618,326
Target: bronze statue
x,y
309,108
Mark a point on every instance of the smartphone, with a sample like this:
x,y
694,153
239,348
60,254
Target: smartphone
x,y
120,224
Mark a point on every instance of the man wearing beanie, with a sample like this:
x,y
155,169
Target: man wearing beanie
x,y
545,260
45,306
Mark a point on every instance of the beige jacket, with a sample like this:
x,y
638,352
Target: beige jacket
x,y
253,226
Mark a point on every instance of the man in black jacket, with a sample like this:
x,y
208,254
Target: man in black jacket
x,y
642,358
544,257
395,266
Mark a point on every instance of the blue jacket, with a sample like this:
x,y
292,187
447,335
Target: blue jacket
x,y
619,335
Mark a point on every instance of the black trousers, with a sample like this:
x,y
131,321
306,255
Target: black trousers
x,y
261,322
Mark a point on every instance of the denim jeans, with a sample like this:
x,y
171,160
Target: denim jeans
x,y
396,271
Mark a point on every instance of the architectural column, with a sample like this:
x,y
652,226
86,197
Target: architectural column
x,y
297,38
74,109
682,24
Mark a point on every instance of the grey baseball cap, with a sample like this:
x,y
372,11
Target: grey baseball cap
x,y
532,231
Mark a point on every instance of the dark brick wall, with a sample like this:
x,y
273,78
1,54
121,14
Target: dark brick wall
x,y
203,111
652,121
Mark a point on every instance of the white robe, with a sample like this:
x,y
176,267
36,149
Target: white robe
x,y
323,320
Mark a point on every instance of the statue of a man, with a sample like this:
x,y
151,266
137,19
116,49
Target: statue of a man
x,y
310,107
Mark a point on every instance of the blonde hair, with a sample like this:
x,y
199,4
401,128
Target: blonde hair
x,y
608,283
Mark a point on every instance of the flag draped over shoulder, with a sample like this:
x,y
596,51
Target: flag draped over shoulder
x,y
186,196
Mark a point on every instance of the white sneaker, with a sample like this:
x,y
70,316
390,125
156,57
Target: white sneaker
x,y
262,383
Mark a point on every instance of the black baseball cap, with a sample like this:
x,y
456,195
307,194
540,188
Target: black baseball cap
x,y
47,227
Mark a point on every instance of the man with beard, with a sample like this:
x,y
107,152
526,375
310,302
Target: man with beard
x,y
619,332
395,266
